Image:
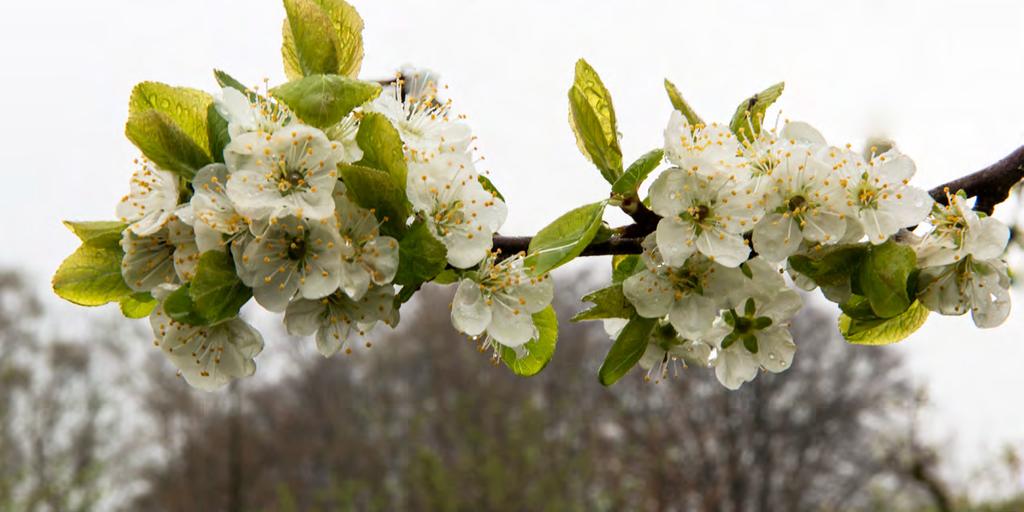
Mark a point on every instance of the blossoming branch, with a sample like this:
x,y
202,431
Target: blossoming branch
x,y
333,200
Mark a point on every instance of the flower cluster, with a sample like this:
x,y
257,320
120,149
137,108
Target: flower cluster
x,y
304,246
734,210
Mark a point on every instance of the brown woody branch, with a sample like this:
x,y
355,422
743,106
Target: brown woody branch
x,y
990,186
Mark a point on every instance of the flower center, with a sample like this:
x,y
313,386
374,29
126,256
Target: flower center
x,y
797,204
297,248
745,326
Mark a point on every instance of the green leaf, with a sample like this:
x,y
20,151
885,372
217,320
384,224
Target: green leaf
x,y
608,303
625,265
565,238
627,350
489,186
165,144
746,122
376,190
91,276
345,33
405,294
137,305
187,108
382,147
226,80
634,176
539,350
421,256
102,233
181,308
323,100
310,43
216,290
681,105
592,119
830,265
218,133
884,275
880,331
446,276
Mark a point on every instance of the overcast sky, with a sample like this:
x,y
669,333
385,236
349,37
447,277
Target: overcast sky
x,y
944,80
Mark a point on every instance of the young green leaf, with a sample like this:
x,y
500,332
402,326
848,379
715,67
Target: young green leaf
x,y
181,308
681,105
382,147
218,133
746,122
592,119
627,350
137,305
323,100
421,256
884,275
216,290
634,176
346,31
446,276
881,331
625,265
377,190
539,350
608,303
226,80
91,276
310,44
830,265
186,107
565,238
102,233
165,144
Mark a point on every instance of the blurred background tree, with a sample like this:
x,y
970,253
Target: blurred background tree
x,y
415,424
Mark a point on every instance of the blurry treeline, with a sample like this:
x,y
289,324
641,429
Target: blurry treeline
x,y
422,422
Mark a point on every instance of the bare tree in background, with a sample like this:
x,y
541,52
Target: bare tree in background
x,y
61,436
420,424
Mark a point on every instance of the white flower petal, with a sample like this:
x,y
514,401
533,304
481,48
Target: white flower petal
x,y
470,313
692,316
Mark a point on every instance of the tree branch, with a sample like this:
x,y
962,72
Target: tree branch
x,y
991,186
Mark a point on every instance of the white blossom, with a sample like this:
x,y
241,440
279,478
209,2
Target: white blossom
x,y
250,112
704,213
958,231
168,256
500,299
425,123
458,210
709,149
337,319
208,357
293,256
291,172
151,201
981,287
878,193
682,293
753,332
802,201
366,256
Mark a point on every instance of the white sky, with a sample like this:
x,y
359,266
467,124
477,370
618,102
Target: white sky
x,y
943,79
